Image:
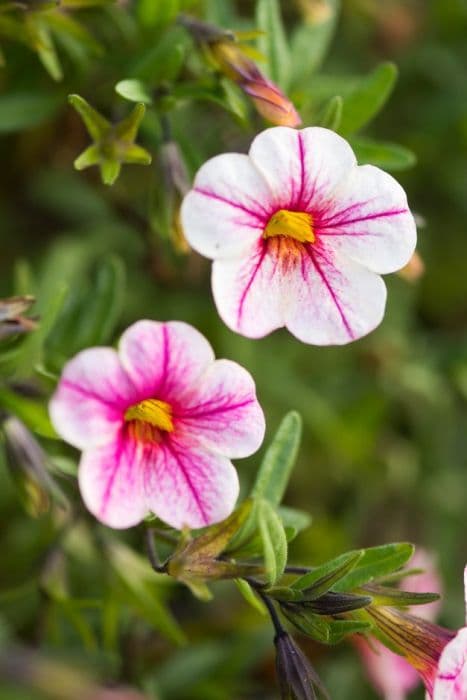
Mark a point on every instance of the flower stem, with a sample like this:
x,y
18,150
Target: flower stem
x,y
152,552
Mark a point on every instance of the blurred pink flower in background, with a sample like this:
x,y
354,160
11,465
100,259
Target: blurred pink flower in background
x,y
391,675
158,422
299,235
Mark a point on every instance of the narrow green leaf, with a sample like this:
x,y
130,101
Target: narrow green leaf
x,y
21,110
33,413
250,596
323,578
312,625
273,42
95,123
279,460
310,42
339,629
294,518
274,541
332,114
366,100
390,156
134,90
383,595
376,562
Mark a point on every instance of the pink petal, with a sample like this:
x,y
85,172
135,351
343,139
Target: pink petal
x,y
301,167
333,300
248,293
223,412
91,397
111,481
228,207
451,678
187,486
368,219
391,674
162,359
428,581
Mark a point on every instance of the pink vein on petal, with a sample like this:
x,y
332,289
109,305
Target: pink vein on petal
x,y
189,483
249,283
261,215
110,482
200,412
368,217
89,394
301,156
331,291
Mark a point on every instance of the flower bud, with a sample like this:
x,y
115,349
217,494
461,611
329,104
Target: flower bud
x,y
27,465
297,678
12,321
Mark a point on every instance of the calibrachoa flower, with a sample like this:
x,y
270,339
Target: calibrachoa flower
x,y
451,676
390,673
299,235
158,422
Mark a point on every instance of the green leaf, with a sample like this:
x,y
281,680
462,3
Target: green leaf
x,y
19,111
134,90
323,578
274,541
104,304
95,123
376,562
278,462
32,413
310,624
163,61
234,100
383,595
310,42
152,13
273,43
250,596
386,155
332,114
140,585
294,518
42,43
367,99
339,629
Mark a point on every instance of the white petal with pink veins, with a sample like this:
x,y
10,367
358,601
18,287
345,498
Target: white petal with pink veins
x,y
301,167
91,397
228,207
368,220
248,292
335,300
187,486
162,359
223,412
111,481
451,678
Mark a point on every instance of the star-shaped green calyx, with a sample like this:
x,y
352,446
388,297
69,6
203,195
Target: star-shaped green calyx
x,y
113,144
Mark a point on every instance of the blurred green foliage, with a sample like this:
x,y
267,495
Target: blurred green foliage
x,y
383,453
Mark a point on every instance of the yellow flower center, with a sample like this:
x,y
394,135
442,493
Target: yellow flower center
x,y
149,418
294,224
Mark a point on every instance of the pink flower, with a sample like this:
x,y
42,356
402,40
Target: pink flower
x,y
393,676
451,675
299,235
158,422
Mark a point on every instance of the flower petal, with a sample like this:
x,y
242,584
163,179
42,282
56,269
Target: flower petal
x,y
163,358
248,292
301,167
228,207
91,397
451,678
111,481
223,412
188,486
368,219
332,300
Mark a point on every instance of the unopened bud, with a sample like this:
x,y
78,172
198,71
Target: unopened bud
x,y
12,321
27,462
297,678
